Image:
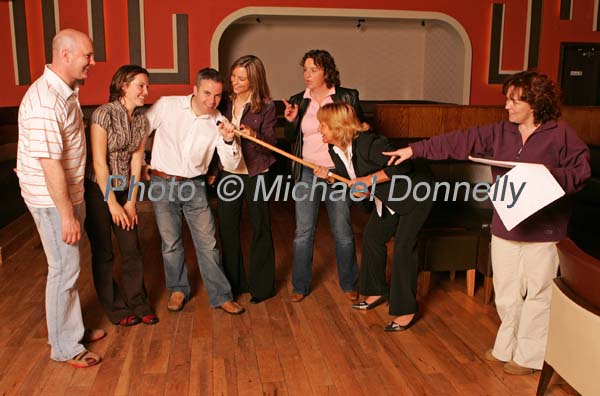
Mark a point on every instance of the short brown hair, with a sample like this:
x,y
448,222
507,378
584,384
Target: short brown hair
x,y
539,92
324,60
124,75
208,74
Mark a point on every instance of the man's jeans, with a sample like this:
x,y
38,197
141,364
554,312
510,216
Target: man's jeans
x,y
307,211
188,197
63,309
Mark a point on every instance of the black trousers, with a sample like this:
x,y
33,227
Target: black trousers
x,y
261,282
130,298
402,293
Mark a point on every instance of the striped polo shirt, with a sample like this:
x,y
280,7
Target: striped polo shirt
x,y
50,126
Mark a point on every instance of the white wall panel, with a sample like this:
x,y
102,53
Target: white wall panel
x,y
385,59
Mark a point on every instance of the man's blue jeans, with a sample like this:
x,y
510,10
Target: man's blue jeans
x,y
307,211
188,198
63,308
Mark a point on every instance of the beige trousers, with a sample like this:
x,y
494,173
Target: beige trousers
x,y
523,273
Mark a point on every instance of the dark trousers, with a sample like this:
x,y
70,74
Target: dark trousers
x,y
261,282
402,292
130,298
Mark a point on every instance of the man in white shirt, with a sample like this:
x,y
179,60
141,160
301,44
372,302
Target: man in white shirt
x,y
185,141
50,166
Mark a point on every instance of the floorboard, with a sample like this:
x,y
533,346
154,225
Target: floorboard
x,y
320,346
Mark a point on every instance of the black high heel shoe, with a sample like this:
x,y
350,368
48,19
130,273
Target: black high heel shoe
x,y
395,327
364,305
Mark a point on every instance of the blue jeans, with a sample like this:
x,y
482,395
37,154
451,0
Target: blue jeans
x,y
63,309
307,211
188,197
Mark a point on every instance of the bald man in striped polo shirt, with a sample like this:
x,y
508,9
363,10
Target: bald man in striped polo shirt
x,y
51,165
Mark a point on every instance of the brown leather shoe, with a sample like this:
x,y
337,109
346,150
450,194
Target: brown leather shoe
x,y
176,300
232,308
297,297
516,369
489,356
352,295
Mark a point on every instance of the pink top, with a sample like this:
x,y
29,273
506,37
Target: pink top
x,y
313,148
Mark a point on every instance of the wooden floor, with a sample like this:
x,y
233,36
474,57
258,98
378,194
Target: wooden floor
x,y
317,347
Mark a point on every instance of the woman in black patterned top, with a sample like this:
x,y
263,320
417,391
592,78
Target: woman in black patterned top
x,y
117,136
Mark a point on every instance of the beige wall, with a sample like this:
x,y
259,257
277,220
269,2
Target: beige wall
x,y
385,59
443,64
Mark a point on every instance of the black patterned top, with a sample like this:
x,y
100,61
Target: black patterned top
x,y
123,139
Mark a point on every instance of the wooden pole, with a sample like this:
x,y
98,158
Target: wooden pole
x,y
286,154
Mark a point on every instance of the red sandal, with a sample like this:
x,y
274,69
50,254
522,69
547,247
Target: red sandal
x,y
150,319
129,321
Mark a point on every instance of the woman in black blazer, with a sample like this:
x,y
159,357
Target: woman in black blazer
x,y
357,155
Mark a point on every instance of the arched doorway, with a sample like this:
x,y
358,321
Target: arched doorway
x,y
386,54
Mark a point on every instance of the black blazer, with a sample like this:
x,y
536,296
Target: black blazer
x,y
367,158
293,132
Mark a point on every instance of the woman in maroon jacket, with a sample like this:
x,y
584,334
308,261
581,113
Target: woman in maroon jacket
x,y
250,108
524,259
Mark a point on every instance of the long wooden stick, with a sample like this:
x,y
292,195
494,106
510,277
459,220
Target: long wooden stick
x,y
286,154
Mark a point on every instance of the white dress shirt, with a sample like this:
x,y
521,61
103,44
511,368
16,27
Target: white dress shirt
x,y
184,143
241,169
346,158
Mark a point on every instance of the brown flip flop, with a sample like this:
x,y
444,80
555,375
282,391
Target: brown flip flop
x,y
93,335
84,359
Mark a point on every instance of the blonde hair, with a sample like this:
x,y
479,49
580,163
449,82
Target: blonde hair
x,y
342,120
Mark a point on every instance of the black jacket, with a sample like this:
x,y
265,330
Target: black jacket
x,y
367,158
293,131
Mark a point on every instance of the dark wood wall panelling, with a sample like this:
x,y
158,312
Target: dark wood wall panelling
x,y
401,120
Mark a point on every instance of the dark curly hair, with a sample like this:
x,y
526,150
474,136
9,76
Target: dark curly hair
x,y
539,92
324,60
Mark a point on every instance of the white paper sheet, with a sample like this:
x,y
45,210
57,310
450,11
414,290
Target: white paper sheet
x,y
503,164
522,191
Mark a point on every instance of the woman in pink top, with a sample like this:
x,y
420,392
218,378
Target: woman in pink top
x,y
322,80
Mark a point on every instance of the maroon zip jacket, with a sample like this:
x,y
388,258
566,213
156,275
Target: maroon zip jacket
x,y
257,157
554,144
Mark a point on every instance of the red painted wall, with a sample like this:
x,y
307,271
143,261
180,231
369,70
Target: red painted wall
x,y
205,15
